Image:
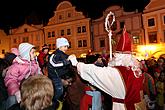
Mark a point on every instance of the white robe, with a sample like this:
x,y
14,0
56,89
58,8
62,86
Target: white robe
x,y
107,79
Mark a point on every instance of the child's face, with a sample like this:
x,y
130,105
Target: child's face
x,y
63,48
32,54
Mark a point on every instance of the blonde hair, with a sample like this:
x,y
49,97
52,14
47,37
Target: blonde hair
x,y
36,93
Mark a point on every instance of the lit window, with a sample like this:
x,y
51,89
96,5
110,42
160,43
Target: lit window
x,y
136,40
102,43
151,22
152,37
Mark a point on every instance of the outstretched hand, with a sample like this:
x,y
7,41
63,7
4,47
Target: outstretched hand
x,y
73,59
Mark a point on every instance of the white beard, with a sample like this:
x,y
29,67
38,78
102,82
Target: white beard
x,y
126,60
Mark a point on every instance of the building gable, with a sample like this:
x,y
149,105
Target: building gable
x,y
65,12
25,28
155,5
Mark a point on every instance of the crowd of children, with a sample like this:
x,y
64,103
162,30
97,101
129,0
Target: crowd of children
x,y
21,72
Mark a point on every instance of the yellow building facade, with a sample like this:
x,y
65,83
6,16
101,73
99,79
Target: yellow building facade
x,y
4,43
154,21
33,34
72,25
132,21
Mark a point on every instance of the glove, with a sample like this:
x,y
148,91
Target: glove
x,y
73,60
18,96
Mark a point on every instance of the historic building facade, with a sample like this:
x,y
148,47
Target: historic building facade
x,y
73,25
33,34
132,21
4,43
154,22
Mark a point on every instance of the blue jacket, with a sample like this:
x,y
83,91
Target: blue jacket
x,y
58,64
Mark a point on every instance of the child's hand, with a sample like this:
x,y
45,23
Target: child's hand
x,y
18,96
73,60
71,56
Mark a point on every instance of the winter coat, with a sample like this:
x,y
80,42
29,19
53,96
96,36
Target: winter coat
x,y
18,72
58,64
41,58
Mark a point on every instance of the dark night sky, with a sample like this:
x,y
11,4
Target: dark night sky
x,y
14,13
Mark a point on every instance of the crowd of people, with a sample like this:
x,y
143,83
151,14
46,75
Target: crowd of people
x,y
59,81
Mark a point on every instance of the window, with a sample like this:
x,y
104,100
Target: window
x,y
54,46
84,43
62,32
68,32
53,34
25,30
122,24
164,35
136,40
25,39
83,28
102,43
69,44
151,22
60,16
14,40
50,46
80,43
69,15
49,34
3,51
152,37
78,29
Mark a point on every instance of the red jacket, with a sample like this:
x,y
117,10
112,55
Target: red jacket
x,y
86,100
41,57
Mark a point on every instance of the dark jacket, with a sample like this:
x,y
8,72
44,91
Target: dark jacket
x,y
58,64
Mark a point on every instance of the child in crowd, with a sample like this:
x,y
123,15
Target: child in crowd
x,y
59,65
37,93
42,59
18,72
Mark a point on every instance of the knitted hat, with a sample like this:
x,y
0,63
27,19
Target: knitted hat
x,y
24,50
124,44
61,42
